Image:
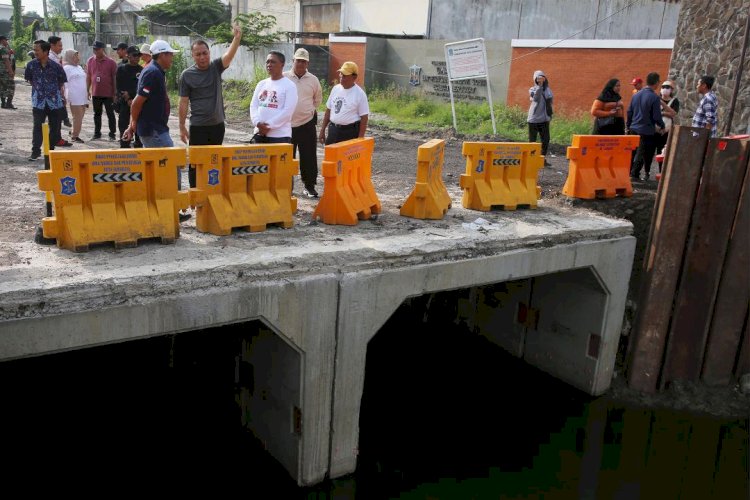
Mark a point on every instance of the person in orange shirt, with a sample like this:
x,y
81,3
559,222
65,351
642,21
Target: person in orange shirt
x,y
607,110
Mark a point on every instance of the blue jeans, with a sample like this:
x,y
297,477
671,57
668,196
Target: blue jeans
x,y
161,140
157,140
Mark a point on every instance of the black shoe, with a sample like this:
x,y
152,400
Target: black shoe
x,y
112,137
137,144
77,139
35,156
310,193
67,123
9,106
183,216
96,137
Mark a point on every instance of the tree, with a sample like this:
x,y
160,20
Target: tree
x,y
256,31
58,8
193,15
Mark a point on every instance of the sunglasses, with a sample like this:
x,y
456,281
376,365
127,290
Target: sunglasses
x,y
666,87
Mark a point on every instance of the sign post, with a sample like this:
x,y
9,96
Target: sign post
x,y
466,60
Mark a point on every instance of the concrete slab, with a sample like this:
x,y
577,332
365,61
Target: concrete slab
x,y
314,285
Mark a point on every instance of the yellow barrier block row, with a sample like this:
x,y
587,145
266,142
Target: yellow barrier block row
x,y
113,195
247,187
500,174
348,194
429,199
599,166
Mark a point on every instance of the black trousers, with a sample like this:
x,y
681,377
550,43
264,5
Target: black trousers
x,y
204,135
305,139
341,134
644,155
40,116
543,130
109,107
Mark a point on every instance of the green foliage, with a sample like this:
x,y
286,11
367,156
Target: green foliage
x,y
61,23
23,39
239,93
399,108
196,15
256,30
179,64
58,8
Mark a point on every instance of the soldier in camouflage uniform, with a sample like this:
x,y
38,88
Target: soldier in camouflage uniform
x,y
7,81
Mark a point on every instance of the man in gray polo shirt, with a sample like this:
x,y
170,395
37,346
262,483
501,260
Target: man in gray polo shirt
x,y
200,88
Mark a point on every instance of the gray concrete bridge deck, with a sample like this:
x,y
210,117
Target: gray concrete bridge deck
x,y
326,290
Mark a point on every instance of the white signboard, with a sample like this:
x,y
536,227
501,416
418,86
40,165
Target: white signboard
x,y
466,59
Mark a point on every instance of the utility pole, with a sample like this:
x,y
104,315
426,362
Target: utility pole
x,y
44,11
97,28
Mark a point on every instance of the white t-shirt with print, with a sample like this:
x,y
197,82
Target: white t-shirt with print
x,y
273,103
347,105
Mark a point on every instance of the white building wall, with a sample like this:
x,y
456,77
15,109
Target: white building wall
x,y
392,17
285,11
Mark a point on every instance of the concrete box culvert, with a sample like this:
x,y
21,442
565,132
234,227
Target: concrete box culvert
x,y
576,292
324,299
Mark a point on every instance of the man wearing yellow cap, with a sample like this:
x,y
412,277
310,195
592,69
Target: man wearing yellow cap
x,y
347,109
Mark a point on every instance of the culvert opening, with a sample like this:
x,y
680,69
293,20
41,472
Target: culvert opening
x,y
213,399
449,389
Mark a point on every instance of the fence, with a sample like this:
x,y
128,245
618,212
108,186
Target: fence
x,y
692,319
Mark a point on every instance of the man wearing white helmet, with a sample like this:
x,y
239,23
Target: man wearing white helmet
x,y
149,111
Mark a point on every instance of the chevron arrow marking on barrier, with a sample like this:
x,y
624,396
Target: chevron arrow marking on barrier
x,y
252,169
122,177
506,161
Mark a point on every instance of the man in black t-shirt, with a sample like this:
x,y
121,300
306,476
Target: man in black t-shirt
x,y
126,81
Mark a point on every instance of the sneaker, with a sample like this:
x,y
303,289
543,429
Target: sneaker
x,y
96,137
77,139
310,193
112,137
62,143
35,156
183,216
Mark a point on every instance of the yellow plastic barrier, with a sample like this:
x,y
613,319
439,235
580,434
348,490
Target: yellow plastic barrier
x,y
113,195
246,187
599,166
348,193
430,199
501,174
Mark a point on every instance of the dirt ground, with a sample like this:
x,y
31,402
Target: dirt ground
x,y
393,168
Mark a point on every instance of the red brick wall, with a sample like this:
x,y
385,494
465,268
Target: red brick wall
x,y
342,52
577,76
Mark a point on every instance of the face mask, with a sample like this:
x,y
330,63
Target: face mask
x,y
666,93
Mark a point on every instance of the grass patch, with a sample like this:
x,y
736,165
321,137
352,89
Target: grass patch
x,y
406,110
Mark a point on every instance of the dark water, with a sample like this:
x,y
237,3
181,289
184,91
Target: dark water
x,y
445,414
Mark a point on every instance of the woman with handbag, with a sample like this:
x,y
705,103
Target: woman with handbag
x,y
670,106
607,110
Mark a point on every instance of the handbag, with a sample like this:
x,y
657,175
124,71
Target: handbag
x,y
605,121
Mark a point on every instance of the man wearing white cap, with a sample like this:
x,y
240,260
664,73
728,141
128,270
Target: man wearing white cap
x,y
347,109
146,54
149,111
305,119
